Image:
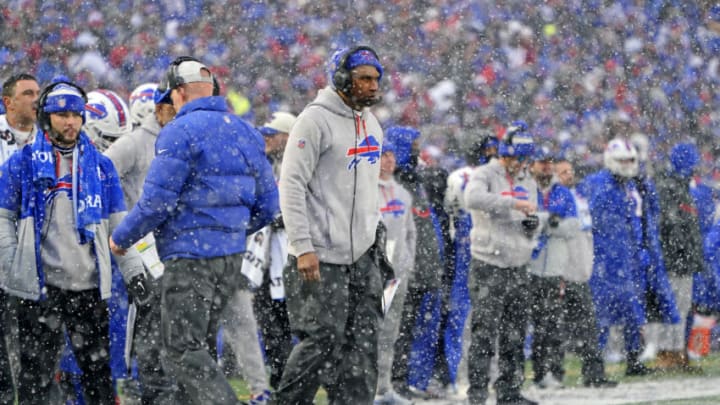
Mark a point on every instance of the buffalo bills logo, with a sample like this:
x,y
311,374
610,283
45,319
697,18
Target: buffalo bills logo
x,y
368,148
96,110
518,193
143,96
394,207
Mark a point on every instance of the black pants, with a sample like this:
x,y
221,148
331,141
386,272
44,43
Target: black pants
x,y
500,310
7,389
195,292
337,321
580,327
42,326
547,295
403,344
155,385
274,323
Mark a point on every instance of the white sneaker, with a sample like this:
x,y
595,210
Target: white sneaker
x,y
614,357
454,394
549,382
391,398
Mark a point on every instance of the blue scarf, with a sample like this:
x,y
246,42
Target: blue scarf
x,y
86,184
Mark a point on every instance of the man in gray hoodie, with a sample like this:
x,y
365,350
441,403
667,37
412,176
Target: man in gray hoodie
x,y
328,199
502,199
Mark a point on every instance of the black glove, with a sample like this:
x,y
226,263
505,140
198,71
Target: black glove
x,y
138,290
277,223
530,224
381,254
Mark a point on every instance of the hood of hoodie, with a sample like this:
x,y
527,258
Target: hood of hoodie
x,y
329,99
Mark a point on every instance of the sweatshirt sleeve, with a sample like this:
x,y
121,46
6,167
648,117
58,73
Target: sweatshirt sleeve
x,y
161,192
9,208
479,196
299,161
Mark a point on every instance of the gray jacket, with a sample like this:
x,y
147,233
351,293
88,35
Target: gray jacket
x,y
497,236
131,155
329,180
396,213
553,258
580,262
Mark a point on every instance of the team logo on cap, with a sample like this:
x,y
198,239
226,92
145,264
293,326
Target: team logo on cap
x,y
368,148
96,110
62,102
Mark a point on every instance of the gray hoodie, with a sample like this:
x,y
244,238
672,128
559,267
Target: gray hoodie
x,y
329,180
131,155
497,236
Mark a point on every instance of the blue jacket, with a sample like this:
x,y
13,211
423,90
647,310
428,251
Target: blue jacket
x,y
208,187
22,211
625,264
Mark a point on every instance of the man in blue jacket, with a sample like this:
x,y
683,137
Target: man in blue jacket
x,y
207,188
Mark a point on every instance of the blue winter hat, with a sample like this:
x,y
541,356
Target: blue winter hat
x,y
364,57
402,139
684,157
361,56
543,153
64,97
517,142
388,146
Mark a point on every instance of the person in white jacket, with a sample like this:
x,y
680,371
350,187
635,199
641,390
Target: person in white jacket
x,y
578,312
396,213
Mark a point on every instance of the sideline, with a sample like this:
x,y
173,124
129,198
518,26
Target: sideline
x,y
626,393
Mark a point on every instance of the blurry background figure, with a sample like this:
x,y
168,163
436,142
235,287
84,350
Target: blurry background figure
x,y
269,305
132,154
682,247
627,260
580,331
107,119
395,204
17,128
142,103
478,149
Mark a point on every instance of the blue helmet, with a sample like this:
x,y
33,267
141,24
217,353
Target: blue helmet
x,y
517,141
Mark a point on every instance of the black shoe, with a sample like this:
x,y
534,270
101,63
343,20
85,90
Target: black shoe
x,y
600,383
515,400
638,369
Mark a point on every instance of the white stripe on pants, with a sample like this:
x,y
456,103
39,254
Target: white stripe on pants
x,y
241,333
672,336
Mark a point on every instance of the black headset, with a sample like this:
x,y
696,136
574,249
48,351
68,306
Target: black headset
x,y
342,79
43,118
173,80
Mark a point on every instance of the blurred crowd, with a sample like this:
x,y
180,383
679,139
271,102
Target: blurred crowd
x,y
567,67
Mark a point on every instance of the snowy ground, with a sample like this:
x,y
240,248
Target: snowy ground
x,y
626,393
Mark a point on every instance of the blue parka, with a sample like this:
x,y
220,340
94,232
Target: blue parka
x,y
208,187
627,258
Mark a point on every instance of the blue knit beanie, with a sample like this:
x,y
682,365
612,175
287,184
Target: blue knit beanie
x,y
684,157
402,138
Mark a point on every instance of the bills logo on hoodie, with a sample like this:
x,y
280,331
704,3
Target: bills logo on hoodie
x,y
394,207
368,148
518,193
